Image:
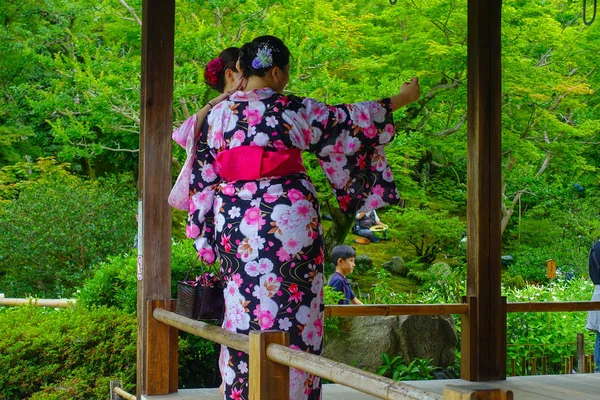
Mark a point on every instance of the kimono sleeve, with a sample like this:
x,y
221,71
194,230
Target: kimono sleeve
x,y
349,141
203,182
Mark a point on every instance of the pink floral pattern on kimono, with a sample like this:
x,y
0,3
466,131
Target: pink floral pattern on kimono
x,y
267,233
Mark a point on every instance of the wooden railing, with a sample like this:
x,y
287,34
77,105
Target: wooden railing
x,y
54,303
271,357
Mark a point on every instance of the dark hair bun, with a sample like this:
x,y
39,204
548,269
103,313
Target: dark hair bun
x,y
214,73
262,54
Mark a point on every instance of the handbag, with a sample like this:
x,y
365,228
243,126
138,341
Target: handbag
x,y
202,298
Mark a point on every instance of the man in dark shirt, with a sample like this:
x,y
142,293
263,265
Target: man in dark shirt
x,y
343,257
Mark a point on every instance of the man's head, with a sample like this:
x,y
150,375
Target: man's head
x,y
343,257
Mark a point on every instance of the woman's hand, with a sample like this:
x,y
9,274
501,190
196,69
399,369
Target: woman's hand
x,y
219,99
409,93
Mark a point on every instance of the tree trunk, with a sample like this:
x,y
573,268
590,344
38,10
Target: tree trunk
x,y
342,222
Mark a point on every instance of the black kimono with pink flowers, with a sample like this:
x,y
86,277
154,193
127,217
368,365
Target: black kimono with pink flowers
x,y
267,233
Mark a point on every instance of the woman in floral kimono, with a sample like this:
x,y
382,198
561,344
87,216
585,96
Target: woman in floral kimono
x,y
222,75
252,206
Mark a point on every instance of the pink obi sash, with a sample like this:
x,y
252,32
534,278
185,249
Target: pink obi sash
x,y
249,163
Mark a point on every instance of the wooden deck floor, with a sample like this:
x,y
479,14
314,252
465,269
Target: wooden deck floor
x,y
538,387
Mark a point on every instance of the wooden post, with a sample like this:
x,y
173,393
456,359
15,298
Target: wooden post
x,y
154,185
512,367
487,340
533,366
268,380
466,393
523,366
173,355
544,365
580,353
157,353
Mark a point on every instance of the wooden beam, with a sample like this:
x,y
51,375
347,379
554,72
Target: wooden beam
x,y
154,266
268,379
393,309
483,192
157,351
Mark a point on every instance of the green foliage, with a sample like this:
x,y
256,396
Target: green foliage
x,y
428,232
530,262
442,283
57,228
382,290
65,354
114,281
400,370
554,335
331,325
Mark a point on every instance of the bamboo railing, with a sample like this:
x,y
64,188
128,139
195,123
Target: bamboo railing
x,y
54,303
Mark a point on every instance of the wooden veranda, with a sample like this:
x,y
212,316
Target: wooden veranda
x,y
484,309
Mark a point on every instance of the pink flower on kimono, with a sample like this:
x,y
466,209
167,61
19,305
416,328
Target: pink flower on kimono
x,y
265,318
243,367
370,131
285,324
228,190
374,201
265,266
295,294
225,242
359,113
387,175
192,230
283,255
253,116
378,190
251,269
208,173
237,278
250,187
237,139
207,254
292,245
252,216
318,324
344,201
236,394
387,134
294,195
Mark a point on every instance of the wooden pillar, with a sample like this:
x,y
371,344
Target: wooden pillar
x,y
154,259
268,380
486,339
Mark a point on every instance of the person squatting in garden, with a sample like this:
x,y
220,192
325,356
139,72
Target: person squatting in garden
x,y
252,206
343,257
593,319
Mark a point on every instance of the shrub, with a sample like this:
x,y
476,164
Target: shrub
x,y
65,354
56,229
530,262
114,281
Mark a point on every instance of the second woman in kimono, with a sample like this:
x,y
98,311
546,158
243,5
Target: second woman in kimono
x,y
253,208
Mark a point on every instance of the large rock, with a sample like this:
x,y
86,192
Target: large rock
x,y
396,266
363,339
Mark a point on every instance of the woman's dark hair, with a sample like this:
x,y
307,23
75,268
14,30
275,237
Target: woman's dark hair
x,y
250,61
342,251
214,73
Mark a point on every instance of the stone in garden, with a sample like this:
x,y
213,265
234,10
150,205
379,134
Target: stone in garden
x,y
364,339
363,263
396,266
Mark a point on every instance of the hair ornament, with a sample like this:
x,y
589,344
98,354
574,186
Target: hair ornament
x,y
263,59
213,69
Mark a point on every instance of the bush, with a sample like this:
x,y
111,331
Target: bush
x,y
65,354
114,284
114,281
530,262
57,228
